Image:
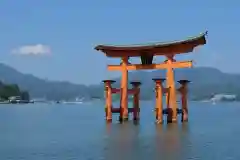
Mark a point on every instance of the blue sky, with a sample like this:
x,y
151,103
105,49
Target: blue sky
x,y
70,30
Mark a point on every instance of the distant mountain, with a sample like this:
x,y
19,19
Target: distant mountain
x,y
205,82
42,88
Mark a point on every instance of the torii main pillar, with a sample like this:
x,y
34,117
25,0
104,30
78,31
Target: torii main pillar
x,y
171,97
124,90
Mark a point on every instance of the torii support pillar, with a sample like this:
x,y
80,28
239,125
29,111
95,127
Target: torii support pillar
x,y
108,97
183,90
159,103
136,109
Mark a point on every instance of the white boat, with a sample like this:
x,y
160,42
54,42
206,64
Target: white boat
x,y
72,102
77,101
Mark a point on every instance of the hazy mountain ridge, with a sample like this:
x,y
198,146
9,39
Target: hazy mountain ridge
x,y
205,82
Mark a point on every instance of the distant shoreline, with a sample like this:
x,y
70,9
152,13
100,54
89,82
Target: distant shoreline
x,y
16,102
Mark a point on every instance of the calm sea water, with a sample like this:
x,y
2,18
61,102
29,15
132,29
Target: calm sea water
x,y
79,132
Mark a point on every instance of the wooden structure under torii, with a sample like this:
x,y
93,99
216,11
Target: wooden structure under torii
x,y
147,52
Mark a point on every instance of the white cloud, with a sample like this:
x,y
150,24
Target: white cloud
x,y
38,49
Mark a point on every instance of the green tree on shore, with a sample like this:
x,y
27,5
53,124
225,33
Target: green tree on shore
x,y
9,90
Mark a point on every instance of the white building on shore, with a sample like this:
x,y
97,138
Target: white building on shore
x,y
223,97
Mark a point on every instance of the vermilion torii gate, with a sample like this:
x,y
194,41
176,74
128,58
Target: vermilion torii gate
x,y
147,52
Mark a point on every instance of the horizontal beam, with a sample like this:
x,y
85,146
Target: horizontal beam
x,y
118,110
181,64
117,90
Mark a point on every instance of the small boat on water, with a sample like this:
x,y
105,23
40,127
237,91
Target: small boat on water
x,y
72,102
77,101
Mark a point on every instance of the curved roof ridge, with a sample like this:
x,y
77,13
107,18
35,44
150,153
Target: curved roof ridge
x,y
154,44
